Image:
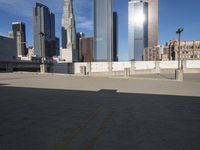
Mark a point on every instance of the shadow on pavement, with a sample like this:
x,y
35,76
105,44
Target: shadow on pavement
x,y
3,84
167,76
45,119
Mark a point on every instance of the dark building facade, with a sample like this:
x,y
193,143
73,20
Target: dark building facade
x,y
8,49
79,35
19,33
86,49
115,36
57,47
44,31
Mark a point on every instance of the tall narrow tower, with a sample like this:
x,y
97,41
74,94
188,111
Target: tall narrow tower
x,y
19,32
137,28
103,30
153,23
44,31
69,31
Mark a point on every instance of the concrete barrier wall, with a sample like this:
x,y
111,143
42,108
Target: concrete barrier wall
x,y
191,64
144,65
136,67
120,66
168,64
100,67
77,67
60,68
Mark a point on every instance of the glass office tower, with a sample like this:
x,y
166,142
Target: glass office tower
x,y
103,32
137,28
44,31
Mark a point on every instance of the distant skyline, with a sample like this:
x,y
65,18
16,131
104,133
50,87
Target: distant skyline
x,y
172,14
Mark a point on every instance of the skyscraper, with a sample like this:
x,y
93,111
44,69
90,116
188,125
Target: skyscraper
x,y
137,28
79,35
69,31
153,23
57,52
103,36
44,31
19,33
150,26
86,47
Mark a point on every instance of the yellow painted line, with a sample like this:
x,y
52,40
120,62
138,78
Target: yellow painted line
x,y
73,134
99,132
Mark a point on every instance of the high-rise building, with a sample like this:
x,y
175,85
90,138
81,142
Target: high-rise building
x,y
69,31
152,54
103,32
137,28
19,33
153,23
8,49
189,50
143,26
57,47
44,31
86,49
79,35
115,36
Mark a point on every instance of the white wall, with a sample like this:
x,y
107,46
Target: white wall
x,y
66,54
103,67
120,66
192,64
77,67
100,67
168,64
145,65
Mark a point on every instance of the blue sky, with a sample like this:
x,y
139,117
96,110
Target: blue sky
x,y
172,14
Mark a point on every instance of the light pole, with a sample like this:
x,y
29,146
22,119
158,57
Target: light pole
x,y
179,71
179,31
42,66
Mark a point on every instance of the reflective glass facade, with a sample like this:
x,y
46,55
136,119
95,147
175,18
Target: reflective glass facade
x,y
137,28
43,23
103,32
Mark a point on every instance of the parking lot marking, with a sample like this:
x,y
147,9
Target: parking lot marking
x,y
99,131
74,133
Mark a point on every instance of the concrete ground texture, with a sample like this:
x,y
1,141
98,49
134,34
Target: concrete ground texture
x,y
62,112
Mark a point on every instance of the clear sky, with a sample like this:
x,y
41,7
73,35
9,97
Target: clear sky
x,y
172,14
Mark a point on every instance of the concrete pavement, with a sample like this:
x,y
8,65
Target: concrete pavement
x,y
58,112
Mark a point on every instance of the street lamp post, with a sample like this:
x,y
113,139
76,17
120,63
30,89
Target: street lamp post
x,y
179,31
179,71
42,66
